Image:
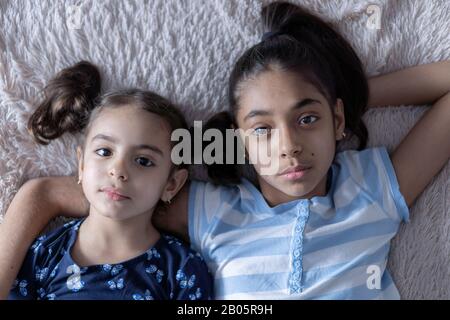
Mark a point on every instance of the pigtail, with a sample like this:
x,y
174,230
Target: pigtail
x,y
69,99
283,19
223,174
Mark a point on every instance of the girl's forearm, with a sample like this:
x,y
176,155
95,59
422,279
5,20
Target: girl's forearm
x,y
35,204
27,215
423,84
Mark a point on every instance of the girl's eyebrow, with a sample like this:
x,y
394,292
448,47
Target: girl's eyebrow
x,y
298,105
140,146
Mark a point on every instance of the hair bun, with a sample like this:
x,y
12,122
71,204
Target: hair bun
x,y
69,99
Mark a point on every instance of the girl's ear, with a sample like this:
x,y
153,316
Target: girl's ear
x,y
80,162
339,119
174,184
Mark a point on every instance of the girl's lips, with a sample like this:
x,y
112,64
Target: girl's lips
x,y
295,174
115,196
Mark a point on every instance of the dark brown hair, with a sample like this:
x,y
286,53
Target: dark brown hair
x,y
298,41
69,99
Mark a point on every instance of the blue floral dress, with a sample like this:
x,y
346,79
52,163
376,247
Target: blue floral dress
x,y
167,271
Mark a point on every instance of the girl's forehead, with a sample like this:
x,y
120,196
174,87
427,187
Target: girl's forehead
x,y
131,123
131,116
281,83
276,89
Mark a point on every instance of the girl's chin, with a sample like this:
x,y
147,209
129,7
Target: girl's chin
x,y
109,211
298,193
297,189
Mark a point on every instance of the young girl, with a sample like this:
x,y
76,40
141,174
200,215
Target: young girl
x,y
114,253
320,226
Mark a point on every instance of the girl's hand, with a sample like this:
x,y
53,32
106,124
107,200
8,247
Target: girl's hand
x,y
412,86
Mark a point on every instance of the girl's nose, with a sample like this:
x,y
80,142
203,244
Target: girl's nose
x,y
291,153
118,173
288,146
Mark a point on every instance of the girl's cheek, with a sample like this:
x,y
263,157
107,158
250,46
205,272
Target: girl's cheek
x,y
92,169
260,150
252,154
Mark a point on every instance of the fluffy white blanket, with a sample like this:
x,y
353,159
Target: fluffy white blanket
x,y
185,49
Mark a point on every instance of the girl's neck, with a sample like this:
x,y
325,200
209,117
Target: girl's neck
x,y
102,240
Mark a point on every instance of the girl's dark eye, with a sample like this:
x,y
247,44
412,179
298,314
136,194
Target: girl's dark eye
x,y
103,152
144,162
308,120
260,131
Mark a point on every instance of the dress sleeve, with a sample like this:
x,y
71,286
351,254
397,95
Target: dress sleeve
x,y
193,280
372,169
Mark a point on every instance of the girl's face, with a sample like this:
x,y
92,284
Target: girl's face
x,y
307,133
126,163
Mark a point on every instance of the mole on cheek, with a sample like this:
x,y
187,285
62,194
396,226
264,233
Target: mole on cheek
x,y
312,154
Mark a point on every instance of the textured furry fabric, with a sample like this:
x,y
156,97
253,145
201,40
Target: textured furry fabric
x,y
185,49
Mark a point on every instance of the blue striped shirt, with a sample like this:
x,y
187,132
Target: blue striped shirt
x,y
327,247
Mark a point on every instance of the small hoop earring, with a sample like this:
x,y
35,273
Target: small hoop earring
x,y
344,134
79,181
168,201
